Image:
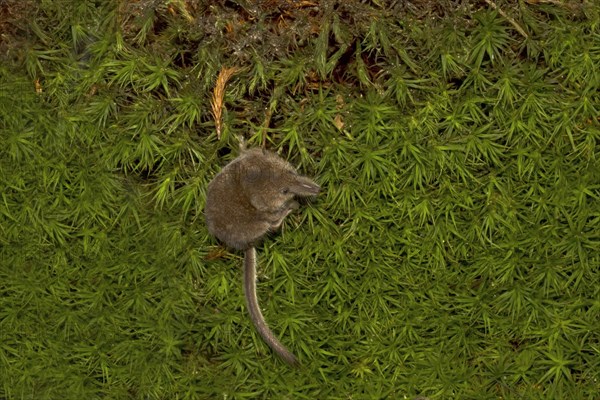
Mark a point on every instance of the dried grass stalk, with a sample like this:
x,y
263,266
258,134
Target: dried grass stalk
x,y
216,102
512,21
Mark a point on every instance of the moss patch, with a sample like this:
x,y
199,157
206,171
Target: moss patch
x,y
453,252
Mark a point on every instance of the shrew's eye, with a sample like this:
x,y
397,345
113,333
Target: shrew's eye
x,y
285,190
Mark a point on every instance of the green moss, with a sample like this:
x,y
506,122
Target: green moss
x,y
453,252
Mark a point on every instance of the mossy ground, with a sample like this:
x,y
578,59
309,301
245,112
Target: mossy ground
x,y
453,253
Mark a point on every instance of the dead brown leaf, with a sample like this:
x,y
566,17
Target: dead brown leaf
x,y
338,122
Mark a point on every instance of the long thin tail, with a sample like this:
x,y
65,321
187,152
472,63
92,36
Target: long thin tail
x,y
254,309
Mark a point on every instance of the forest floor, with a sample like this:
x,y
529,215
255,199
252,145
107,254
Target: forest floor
x,y
452,254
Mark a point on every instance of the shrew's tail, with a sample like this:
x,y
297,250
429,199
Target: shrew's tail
x,y
254,309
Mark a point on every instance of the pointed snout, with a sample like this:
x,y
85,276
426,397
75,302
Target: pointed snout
x,y
305,187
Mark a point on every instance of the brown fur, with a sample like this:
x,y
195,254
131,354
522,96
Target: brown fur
x,y
248,198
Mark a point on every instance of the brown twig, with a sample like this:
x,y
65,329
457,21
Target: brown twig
x,y
512,21
216,102
571,6
266,126
553,2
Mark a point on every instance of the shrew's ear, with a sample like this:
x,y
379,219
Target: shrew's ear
x,y
250,174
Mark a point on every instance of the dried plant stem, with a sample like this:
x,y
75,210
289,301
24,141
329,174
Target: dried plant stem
x,y
216,102
266,126
512,21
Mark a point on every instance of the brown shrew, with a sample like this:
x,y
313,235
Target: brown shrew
x,y
249,198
